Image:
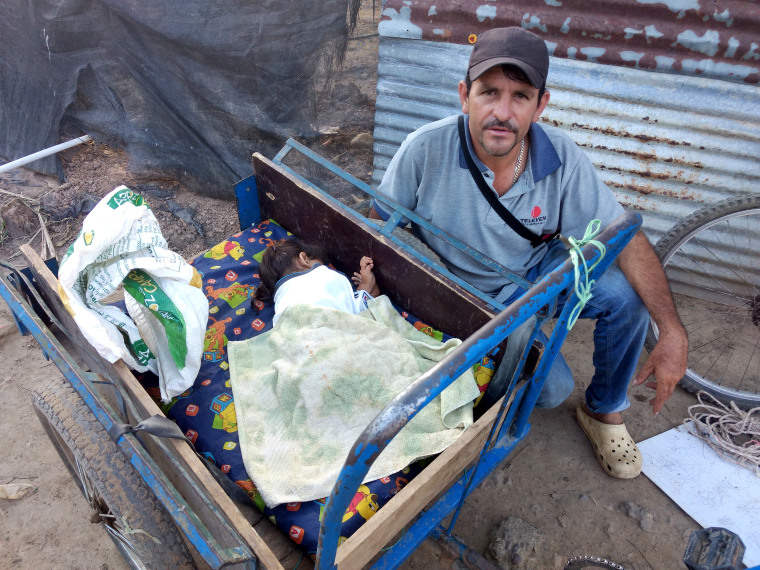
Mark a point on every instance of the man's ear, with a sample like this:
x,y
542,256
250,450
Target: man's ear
x,y
304,259
541,106
463,97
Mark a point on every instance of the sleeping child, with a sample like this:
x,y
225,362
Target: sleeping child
x,y
295,273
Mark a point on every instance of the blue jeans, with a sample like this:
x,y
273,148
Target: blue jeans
x,y
621,328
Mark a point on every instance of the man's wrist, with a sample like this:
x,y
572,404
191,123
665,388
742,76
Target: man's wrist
x,y
671,330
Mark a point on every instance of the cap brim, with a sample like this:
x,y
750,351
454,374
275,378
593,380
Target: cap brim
x,y
533,75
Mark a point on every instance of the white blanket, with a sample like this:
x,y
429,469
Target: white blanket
x,y
306,389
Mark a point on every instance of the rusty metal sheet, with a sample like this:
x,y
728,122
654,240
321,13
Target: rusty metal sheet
x,y
709,38
665,144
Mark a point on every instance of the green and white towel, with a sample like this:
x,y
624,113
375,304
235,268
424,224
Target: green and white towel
x,y
305,390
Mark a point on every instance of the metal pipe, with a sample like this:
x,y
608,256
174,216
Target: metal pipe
x,y
43,153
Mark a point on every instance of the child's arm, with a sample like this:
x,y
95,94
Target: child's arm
x,y
364,279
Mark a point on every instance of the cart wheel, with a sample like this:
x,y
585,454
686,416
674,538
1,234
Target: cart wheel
x,y
134,519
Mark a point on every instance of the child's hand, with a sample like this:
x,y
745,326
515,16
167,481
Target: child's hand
x,y
364,279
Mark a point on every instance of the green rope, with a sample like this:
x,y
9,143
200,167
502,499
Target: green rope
x,y
583,284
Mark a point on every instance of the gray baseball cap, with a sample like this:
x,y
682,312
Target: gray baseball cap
x,y
513,46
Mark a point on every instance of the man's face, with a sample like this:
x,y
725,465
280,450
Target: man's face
x,y
501,111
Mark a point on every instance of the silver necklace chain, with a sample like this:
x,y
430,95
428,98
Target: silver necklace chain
x,y
519,162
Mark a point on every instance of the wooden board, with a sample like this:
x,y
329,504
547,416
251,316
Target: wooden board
x,y
305,212
182,452
373,535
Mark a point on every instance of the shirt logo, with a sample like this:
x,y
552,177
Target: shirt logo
x,y
536,217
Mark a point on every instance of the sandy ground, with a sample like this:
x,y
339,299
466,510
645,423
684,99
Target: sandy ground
x,y
50,528
551,482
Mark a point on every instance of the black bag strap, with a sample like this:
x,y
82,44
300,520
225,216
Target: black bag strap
x,y
498,207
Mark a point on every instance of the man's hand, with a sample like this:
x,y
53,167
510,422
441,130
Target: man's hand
x,y
668,358
668,364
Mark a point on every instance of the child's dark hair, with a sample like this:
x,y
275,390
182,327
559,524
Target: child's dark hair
x,y
277,260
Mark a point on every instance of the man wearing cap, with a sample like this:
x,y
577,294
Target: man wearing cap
x,y
547,184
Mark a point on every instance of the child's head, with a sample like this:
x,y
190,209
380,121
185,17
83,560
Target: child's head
x,y
283,258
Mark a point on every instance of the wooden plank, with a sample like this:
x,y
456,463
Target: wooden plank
x,y
277,540
182,452
373,535
305,212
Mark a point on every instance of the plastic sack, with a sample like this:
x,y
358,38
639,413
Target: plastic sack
x,y
121,243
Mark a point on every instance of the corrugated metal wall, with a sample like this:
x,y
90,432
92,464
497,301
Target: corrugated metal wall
x,y
712,38
664,142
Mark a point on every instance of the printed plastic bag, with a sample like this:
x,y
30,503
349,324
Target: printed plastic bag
x,y
121,243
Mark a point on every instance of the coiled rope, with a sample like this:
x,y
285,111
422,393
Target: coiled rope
x,y
731,432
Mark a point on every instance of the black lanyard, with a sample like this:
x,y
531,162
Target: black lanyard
x,y
498,207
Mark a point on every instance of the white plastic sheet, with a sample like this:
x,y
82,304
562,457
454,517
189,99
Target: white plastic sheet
x,y
713,491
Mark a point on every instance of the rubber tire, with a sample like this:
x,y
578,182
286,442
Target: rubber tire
x,y
665,247
76,433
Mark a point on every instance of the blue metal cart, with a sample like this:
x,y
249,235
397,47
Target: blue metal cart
x,y
164,506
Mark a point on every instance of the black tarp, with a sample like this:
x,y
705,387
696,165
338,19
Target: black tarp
x,y
190,88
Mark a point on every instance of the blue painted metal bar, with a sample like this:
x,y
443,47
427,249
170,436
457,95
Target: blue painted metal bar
x,y
204,542
392,223
561,327
247,198
490,440
22,329
409,215
431,518
407,404
283,152
322,161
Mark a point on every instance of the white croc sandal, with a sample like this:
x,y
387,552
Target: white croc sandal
x,y
614,447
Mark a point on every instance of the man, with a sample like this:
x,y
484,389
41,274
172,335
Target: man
x,y
547,184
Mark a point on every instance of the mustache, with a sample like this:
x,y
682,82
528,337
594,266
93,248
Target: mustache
x,y
501,124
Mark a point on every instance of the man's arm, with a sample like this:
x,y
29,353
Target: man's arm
x,y
667,360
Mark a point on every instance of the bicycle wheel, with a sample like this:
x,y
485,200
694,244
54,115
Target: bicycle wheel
x,y
712,263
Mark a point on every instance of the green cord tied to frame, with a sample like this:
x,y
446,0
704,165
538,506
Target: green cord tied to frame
x,y
583,284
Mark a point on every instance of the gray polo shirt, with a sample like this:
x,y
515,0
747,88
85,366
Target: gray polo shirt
x,y
559,188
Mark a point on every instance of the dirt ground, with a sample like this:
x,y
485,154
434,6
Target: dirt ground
x,y
552,482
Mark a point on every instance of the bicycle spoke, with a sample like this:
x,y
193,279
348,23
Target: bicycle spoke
x,y
723,376
703,268
752,293
754,350
723,289
744,277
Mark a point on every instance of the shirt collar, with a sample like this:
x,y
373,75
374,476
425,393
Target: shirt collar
x,y
543,155
543,158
